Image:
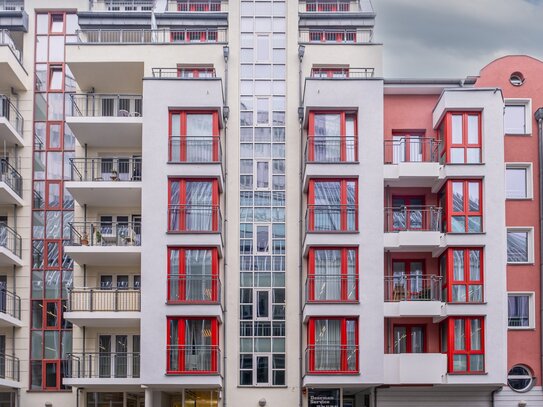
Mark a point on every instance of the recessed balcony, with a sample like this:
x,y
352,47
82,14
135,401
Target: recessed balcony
x,y
12,72
412,228
110,182
10,246
122,5
10,370
11,123
98,307
11,184
197,6
415,368
415,295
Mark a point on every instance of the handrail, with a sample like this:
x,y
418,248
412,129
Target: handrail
x,y
10,367
153,36
183,289
413,218
329,6
331,288
196,6
10,239
10,303
325,359
12,5
103,299
341,73
194,218
414,287
331,218
122,5
190,359
331,149
336,36
10,112
410,149
195,149
11,177
102,233
106,105
105,365
5,39
185,72
106,169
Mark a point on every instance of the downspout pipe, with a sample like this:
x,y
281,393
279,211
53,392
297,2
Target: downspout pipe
x,y
300,227
539,117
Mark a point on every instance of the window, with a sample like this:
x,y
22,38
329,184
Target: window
x,y
118,356
462,201
332,345
332,275
519,245
462,273
408,282
194,137
57,23
518,181
520,378
263,48
517,117
409,213
409,339
193,205
333,205
460,135
408,147
521,311
192,346
465,345
193,275
55,78
332,137
194,72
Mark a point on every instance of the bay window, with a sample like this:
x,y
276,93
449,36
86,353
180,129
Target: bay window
x,y
465,344
409,339
333,205
460,138
332,345
193,275
332,137
193,205
332,275
194,136
462,200
462,273
192,346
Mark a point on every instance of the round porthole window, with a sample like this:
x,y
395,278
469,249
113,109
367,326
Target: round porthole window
x,y
520,378
516,79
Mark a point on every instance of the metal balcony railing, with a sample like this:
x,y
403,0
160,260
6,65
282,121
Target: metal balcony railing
x,y
103,365
11,177
331,149
5,39
331,288
184,73
106,105
189,289
416,287
10,239
331,359
100,299
12,5
150,36
10,367
410,150
12,115
331,218
197,6
331,36
122,5
413,219
194,149
329,6
10,303
105,234
193,359
105,169
194,218
342,73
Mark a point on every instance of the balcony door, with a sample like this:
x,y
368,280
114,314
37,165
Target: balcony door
x,y
332,137
333,205
333,345
407,148
408,213
118,356
409,339
407,280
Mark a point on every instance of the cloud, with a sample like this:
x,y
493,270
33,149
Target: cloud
x,y
454,38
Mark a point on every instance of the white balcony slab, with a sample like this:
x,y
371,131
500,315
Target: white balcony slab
x,y
196,310
331,309
413,309
7,320
12,73
8,196
452,171
106,193
330,170
332,239
423,174
198,170
196,381
107,131
104,319
105,255
415,368
9,134
8,384
196,239
412,240
7,258
116,384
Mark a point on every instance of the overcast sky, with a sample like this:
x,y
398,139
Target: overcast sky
x,y
455,38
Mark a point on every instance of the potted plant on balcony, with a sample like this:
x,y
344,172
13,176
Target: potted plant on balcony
x,y
84,240
98,237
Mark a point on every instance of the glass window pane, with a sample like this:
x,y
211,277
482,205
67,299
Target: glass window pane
x,y
458,265
516,180
473,129
475,293
460,363
458,224
458,196
517,247
458,293
474,265
474,155
515,119
400,339
475,334
459,335
473,192
457,129
474,224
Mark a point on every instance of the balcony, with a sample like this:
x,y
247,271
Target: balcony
x,y
102,369
197,6
331,225
12,5
10,309
409,228
342,73
336,37
185,73
331,360
413,295
199,295
329,6
11,184
193,360
106,120
10,247
195,225
11,123
415,368
196,156
111,182
10,368
105,243
411,161
122,5
97,307
12,72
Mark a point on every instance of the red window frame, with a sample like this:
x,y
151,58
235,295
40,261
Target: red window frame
x,y
408,342
330,72
198,6
343,203
449,282
181,342
407,135
449,213
344,274
451,351
344,115
409,206
447,134
183,132
343,346
409,292
182,272
181,222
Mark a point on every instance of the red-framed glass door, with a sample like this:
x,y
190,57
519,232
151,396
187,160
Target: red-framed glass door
x,y
408,213
194,136
333,205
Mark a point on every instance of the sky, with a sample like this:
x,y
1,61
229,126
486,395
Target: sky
x,y
455,38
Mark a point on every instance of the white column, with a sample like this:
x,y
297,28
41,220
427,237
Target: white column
x,y
148,398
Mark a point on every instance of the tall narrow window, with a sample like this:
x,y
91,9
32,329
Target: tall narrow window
x,y
332,137
193,205
333,205
464,209
194,137
464,276
462,138
466,345
333,275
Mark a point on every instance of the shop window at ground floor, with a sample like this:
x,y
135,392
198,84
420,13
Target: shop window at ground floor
x,y
103,399
195,398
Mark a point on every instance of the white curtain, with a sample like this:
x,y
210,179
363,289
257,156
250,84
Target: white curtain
x,y
198,344
327,137
326,215
199,285
327,274
327,344
199,212
199,137
519,310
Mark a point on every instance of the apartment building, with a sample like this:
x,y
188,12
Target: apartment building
x,y
208,203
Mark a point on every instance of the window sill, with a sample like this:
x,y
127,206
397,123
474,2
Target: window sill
x,y
519,134
467,303
521,328
467,373
529,198
526,263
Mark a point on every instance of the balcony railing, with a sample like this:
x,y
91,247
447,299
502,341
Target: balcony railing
x,y
10,239
122,5
149,36
102,365
410,150
12,115
105,169
331,218
193,149
329,36
100,299
194,218
197,6
331,149
12,5
331,359
11,177
188,289
331,288
184,73
416,287
193,359
106,105
5,39
105,234
342,73
10,304
329,6
413,219
10,367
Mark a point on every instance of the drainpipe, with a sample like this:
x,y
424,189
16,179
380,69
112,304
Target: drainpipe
x,y
539,117
301,51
